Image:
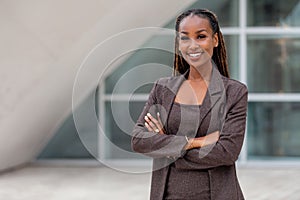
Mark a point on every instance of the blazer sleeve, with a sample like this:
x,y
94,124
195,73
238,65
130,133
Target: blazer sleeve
x,y
227,149
154,144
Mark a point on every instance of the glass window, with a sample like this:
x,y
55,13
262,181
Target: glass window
x,y
232,47
273,63
118,128
148,64
273,130
273,13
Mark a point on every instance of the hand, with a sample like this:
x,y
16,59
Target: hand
x,y
211,138
202,141
153,124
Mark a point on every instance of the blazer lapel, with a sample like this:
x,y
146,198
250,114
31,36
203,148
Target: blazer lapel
x,y
169,93
213,94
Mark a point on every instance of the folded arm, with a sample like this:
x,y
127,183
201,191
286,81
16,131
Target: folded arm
x,y
155,144
226,150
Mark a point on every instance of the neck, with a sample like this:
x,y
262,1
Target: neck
x,y
200,73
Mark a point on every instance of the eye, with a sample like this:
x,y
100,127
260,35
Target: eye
x,y
201,36
184,38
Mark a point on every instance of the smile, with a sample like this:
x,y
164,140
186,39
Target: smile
x,y
194,55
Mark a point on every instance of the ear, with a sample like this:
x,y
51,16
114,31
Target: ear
x,y
216,39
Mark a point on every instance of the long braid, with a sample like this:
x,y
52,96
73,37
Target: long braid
x,y
220,57
180,65
219,53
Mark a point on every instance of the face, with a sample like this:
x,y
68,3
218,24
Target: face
x,y
196,40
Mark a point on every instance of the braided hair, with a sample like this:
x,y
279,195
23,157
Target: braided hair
x,y
219,53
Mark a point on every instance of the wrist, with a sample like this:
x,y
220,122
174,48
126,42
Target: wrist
x,y
189,144
199,142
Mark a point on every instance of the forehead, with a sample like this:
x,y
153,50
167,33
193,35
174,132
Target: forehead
x,y
194,23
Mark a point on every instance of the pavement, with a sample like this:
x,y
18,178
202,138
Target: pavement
x,y
35,182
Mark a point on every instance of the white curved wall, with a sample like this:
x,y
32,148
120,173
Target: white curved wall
x,y
42,46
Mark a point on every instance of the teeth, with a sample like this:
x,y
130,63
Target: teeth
x,y
194,54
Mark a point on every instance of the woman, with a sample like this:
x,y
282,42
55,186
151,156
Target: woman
x,y
193,123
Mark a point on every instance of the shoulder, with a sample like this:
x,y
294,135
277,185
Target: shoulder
x,y
166,80
235,90
233,85
159,84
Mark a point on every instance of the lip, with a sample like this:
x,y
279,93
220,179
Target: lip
x,y
194,55
194,52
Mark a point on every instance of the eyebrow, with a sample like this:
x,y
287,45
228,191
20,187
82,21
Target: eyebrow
x,y
199,31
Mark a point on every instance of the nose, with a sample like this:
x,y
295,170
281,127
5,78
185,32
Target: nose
x,y
194,45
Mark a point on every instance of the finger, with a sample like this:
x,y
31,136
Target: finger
x,y
150,123
157,124
162,130
152,128
159,120
148,127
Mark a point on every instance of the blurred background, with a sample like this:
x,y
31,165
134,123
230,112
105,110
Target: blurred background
x,y
44,44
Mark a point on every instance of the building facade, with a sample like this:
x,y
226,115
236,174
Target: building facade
x,y
263,44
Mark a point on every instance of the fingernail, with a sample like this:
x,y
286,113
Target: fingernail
x,y
149,114
145,117
158,113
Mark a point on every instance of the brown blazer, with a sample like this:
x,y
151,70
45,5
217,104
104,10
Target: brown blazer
x,y
224,108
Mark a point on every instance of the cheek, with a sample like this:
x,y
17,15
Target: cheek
x,y
182,46
211,52
210,46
